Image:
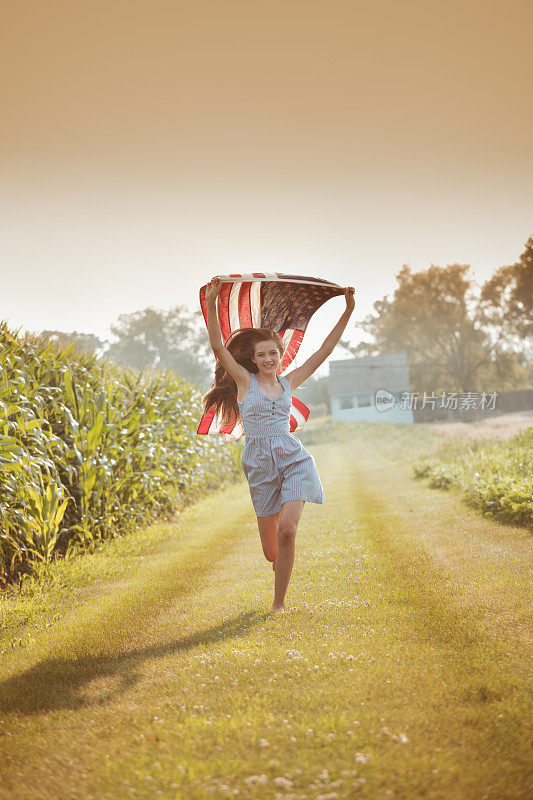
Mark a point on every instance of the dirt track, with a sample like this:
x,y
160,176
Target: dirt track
x,y
503,427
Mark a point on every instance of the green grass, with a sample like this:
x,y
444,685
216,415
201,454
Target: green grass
x,y
392,441
401,669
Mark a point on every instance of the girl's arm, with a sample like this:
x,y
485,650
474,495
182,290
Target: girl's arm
x,y
301,374
240,374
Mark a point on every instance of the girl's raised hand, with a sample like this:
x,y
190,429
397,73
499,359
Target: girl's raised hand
x,y
213,289
349,292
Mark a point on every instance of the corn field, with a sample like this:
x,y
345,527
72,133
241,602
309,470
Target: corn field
x,y
90,450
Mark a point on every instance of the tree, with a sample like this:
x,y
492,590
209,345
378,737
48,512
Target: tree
x,y
85,342
315,391
436,317
174,339
507,298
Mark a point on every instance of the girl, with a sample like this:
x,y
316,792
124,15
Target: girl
x,y
281,474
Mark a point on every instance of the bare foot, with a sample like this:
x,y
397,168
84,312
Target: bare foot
x,y
278,608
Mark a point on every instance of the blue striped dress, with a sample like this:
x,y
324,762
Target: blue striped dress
x,y
276,465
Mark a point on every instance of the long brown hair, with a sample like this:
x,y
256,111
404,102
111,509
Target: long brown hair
x,y
241,344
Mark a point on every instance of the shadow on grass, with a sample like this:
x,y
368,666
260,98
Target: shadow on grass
x,y
58,683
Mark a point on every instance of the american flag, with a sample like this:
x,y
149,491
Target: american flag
x,y
283,303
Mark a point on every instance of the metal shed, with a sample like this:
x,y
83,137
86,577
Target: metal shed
x,y
370,389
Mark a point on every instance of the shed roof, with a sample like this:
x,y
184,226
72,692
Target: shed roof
x,y
369,374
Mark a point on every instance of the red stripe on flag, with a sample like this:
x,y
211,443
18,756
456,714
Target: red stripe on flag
x,y
205,422
245,308
301,407
259,274
203,303
291,349
223,310
293,424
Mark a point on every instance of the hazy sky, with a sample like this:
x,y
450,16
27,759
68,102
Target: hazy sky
x,y
146,146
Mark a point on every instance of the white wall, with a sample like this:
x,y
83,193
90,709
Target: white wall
x,y
370,413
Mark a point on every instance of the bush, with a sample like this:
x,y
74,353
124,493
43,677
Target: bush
x,y
495,477
90,450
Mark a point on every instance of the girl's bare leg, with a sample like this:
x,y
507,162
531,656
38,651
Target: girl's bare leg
x,y
291,512
268,531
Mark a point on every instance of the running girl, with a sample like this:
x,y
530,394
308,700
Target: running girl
x,y
281,474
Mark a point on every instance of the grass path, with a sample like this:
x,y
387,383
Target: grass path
x,y
401,669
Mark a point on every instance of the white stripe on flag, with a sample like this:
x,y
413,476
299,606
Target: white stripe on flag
x,y
236,433
274,276
287,339
299,417
287,336
216,423
233,306
255,303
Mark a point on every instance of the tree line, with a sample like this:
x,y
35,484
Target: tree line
x,y
457,336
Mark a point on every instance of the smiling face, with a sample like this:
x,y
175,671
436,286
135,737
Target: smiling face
x,y
267,357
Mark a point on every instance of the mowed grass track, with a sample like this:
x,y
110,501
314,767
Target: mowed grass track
x,y
401,670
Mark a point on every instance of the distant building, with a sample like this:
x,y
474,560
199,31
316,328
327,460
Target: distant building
x,y
370,389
